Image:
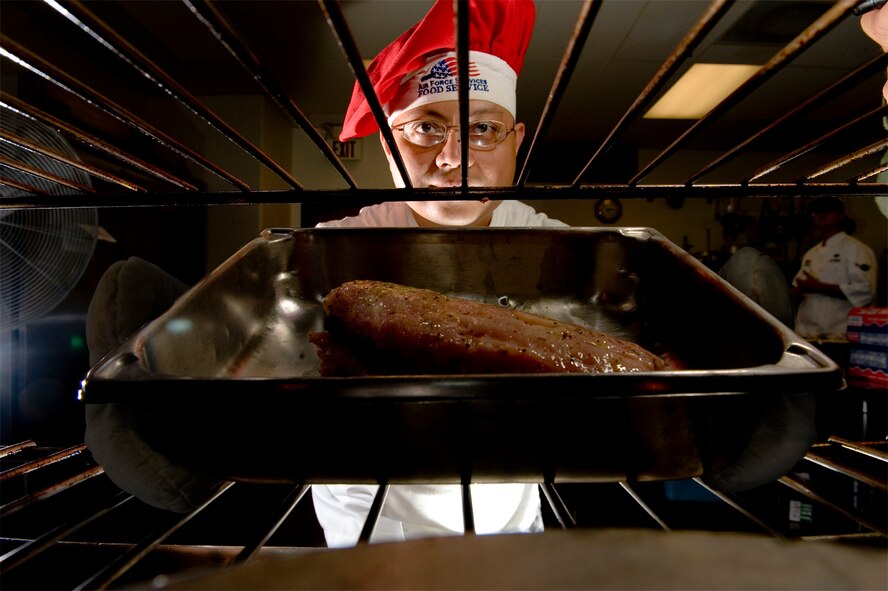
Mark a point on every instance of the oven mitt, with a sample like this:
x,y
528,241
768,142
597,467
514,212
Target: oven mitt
x,y
782,437
787,426
130,294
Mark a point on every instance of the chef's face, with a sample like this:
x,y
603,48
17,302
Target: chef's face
x,y
439,166
826,219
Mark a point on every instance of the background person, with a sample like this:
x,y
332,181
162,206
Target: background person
x,y
837,274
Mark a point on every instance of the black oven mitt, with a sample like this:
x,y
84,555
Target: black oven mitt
x,y
781,438
130,294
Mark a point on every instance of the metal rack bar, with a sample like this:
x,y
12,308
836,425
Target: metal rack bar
x,y
28,60
556,503
869,174
15,184
89,23
869,150
8,450
18,556
49,491
371,196
340,28
796,484
813,144
106,576
685,48
862,448
572,53
207,13
866,70
461,40
373,514
862,476
93,141
25,144
277,518
468,509
793,49
232,41
39,173
737,503
647,509
841,537
41,462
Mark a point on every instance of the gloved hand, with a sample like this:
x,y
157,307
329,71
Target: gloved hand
x,y
782,436
130,294
787,426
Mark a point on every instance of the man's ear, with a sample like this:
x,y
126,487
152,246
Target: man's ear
x,y
519,135
385,147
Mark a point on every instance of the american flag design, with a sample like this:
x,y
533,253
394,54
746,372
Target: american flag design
x,y
447,68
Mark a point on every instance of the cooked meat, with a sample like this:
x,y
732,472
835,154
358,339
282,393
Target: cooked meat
x,y
378,327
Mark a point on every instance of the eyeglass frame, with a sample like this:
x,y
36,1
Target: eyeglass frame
x,y
447,130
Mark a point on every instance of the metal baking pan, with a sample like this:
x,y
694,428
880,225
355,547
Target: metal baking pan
x,y
227,381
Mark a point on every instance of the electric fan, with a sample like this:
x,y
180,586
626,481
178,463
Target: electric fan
x,y
43,252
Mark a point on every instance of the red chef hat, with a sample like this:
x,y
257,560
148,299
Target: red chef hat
x,y
419,67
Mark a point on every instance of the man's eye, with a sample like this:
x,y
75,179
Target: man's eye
x,y
483,128
426,127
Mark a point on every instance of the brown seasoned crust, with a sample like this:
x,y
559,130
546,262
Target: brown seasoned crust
x,y
423,331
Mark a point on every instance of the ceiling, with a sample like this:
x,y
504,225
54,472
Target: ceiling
x,y
628,42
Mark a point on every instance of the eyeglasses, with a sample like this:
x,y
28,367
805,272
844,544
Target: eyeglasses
x,y
483,135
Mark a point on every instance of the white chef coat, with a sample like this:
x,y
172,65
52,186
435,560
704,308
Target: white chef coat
x,y
850,264
416,511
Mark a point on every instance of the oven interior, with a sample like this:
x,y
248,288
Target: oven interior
x,y
178,134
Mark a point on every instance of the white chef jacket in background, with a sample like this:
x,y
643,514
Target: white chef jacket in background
x,y
846,262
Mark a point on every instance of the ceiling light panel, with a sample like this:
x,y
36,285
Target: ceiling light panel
x,y
701,88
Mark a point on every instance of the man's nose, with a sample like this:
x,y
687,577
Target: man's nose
x,y
450,154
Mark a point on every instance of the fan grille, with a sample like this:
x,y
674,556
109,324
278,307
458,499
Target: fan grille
x,y
43,252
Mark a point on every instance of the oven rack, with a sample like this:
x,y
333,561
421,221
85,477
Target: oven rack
x,y
124,178
837,492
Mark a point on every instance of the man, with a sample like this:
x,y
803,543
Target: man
x,y
837,274
415,78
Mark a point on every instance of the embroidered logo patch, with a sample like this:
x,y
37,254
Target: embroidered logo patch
x,y
447,68
442,77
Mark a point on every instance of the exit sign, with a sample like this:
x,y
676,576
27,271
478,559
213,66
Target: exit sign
x,y
347,150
